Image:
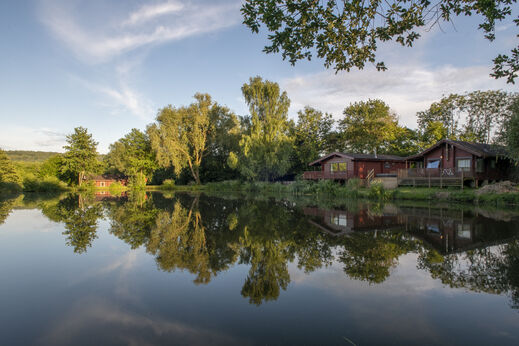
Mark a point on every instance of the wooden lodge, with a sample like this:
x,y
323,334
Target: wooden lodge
x,y
447,163
342,166
450,162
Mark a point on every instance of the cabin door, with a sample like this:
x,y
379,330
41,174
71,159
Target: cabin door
x,y
362,169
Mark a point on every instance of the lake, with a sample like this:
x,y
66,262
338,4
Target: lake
x,y
197,269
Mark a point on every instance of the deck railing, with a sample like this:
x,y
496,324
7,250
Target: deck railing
x,y
435,173
317,175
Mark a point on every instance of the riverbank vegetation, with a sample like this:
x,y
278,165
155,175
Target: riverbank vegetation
x,y
205,143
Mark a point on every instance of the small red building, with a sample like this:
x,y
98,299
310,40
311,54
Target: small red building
x,y
106,180
342,166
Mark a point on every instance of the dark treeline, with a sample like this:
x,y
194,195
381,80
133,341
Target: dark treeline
x,y
207,142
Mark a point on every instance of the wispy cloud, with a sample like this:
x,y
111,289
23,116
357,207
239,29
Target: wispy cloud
x,y
406,88
121,98
148,12
165,21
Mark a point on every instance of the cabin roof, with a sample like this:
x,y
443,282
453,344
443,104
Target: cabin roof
x,y
105,177
358,157
478,149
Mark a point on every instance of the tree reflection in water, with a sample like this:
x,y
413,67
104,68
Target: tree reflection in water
x,y
207,235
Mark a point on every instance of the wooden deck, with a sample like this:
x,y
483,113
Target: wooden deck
x,y
435,177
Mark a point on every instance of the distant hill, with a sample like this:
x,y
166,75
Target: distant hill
x,y
29,156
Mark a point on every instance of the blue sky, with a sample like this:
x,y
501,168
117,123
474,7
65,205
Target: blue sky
x,y
110,65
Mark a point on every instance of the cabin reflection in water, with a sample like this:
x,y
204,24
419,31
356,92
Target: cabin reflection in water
x,y
446,229
343,222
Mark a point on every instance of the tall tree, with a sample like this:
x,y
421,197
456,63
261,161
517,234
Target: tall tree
x,y
133,156
346,33
475,117
81,154
311,136
8,173
510,133
223,138
266,147
368,127
179,137
486,111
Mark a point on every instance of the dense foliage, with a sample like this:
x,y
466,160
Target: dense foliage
x,y
81,155
346,34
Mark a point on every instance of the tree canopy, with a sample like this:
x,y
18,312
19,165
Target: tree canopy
x,y
477,116
81,154
133,156
368,127
346,34
179,137
8,173
266,145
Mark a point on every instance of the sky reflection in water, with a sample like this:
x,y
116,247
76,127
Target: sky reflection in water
x,y
189,269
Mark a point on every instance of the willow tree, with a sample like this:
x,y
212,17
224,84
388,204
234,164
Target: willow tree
x,y
81,154
179,137
266,146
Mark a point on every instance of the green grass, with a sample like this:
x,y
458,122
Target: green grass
x,y
353,190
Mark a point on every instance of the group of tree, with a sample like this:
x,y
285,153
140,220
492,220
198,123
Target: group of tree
x,y
205,141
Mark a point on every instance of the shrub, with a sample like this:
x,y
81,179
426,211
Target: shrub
x,y
377,191
168,184
354,184
46,184
116,188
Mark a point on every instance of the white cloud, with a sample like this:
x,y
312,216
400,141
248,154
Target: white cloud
x,y
407,88
165,21
14,137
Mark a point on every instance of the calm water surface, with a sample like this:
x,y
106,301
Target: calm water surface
x,y
197,269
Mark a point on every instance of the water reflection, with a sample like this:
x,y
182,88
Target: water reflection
x,y
471,248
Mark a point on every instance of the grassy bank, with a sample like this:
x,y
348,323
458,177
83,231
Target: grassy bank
x,y
354,190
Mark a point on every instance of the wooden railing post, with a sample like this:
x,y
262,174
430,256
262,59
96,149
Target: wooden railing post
x,y
462,179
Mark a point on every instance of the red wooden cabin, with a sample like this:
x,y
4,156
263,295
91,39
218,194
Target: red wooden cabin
x,y
106,180
448,158
342,166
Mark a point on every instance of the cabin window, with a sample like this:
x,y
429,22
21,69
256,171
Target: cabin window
x,y
480,165
339,220
433,164
338,167
102,183
463,164
492,164
387,165
463,231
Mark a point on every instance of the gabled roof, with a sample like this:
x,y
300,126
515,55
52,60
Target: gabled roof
x,y
478,149
358,157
